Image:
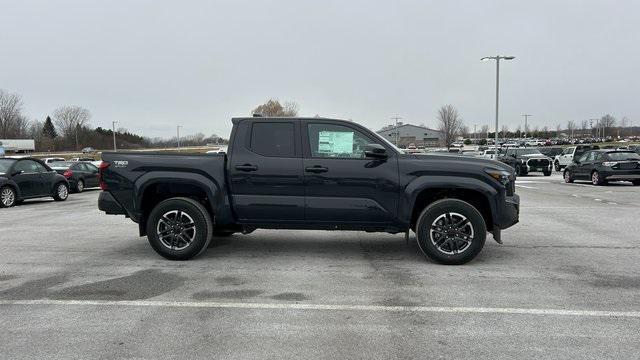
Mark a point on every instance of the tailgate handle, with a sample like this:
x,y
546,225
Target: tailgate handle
x,y
316,169
246,167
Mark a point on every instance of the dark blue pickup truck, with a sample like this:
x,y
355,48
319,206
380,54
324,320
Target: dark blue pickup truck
x,y
310,173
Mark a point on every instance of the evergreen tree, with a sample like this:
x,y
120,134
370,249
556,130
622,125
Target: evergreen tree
x,y
48,129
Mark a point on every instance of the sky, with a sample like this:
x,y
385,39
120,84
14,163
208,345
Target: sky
x,y
153,65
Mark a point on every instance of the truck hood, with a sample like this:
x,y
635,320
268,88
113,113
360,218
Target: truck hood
x,y
471,163
535,156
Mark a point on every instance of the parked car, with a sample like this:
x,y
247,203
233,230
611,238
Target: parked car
x,y
80,175
526,160
310,173
52,159
88,150
570,154
28,178
82,159
551,152
603,166
489,154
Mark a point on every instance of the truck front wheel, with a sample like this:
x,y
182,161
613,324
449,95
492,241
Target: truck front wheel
x,y
451,231
179,228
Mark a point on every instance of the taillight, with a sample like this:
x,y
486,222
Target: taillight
x,y
67,173
103,166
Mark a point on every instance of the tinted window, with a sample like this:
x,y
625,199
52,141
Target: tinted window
x,y
29,166
5,164
591,156
91,167
622,156
273,139
336,141
567,151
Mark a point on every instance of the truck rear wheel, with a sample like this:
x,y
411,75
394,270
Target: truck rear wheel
x,y
179,228
451,231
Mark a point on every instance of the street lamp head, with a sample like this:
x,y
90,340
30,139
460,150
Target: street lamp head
x,y
486,58
508,57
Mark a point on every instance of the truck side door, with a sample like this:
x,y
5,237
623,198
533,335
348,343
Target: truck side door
x,y
342,185
567,156
265,172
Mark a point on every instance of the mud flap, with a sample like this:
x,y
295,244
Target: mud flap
x,y
497,235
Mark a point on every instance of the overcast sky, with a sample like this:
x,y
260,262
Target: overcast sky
x,y
153,64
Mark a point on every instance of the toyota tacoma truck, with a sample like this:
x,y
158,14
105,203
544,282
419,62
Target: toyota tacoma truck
x,y
315,174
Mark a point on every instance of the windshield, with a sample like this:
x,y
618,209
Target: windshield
x,y
5,164
622,156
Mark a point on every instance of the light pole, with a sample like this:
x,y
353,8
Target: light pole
x,y
396,118
178,129
526,117
497,58
113,127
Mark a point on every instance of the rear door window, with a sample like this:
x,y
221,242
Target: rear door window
x,y
273,139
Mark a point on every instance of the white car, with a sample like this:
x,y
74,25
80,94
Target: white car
x,y
489,154
569,154
50,160
535,143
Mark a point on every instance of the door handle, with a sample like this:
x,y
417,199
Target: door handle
x,y
246,167
316,169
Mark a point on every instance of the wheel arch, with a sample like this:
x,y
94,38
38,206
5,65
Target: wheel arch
x,y
422,193
152,188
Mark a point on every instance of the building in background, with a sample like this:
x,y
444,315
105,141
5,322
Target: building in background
x,y
411,134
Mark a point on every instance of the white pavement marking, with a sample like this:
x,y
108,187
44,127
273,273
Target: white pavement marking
x,y
329,307
527,187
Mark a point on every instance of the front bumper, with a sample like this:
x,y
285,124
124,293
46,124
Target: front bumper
x,y
508,212
109,205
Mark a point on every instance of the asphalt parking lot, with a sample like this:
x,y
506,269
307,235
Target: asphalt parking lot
x,y
75,283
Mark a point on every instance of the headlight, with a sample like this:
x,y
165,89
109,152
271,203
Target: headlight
x,y
609,163
502,176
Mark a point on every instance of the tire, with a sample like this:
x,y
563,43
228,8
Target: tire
x,y
61,192
518,169
439,245
547,173
596,179
79,186
568,177
8,197
220,233
177,212
556,165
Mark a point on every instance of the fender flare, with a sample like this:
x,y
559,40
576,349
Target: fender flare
x,y
210,186
423,183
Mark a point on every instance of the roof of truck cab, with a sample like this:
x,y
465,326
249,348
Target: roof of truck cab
x,y
236,120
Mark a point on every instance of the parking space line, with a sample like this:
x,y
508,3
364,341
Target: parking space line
x,y
330,307
526,187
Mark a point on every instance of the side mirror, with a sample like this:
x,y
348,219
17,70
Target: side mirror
x,y
17,172
376,151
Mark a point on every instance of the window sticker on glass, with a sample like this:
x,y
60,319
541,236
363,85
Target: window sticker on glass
x,y
335,142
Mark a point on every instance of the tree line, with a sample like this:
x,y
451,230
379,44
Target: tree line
x,y
68,129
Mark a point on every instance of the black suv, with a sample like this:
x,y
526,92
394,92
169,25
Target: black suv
x,y
526,160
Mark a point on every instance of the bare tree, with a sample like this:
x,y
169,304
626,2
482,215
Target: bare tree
x,y
607,122
571,126
505,131
69,118
624,123
12,122
558,129
274,108
449,124
484,130
465,132
584,125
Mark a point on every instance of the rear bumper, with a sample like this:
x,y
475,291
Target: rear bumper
x,y
622,175
109,205
508,213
